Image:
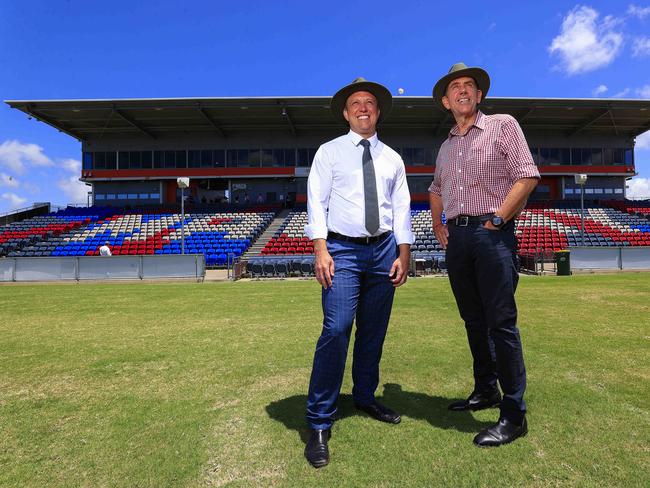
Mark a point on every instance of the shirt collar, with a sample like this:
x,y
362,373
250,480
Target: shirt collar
x,y
356,138
479,123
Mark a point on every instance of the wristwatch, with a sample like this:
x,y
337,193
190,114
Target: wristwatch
x,y
497,221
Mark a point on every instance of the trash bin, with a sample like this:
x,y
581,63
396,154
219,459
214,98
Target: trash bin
x,y
563,263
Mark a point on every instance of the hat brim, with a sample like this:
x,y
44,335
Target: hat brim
x,y
479,74
381,93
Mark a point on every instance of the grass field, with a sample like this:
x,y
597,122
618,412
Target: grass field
x,y
188,384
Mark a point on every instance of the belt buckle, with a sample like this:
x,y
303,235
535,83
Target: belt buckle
x,y
462,221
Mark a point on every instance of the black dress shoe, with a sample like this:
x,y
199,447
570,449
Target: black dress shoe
x,y
377,411
476,401
316,450
501,433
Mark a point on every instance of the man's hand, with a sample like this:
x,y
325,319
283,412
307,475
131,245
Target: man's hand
x,y
490,226
399,270
442,234
323,263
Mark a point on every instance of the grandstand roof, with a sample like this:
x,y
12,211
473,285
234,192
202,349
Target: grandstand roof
x,y
156,117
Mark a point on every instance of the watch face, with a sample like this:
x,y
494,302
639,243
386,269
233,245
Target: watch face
x,y
497,221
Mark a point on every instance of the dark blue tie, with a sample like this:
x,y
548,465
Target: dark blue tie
x,y
369,189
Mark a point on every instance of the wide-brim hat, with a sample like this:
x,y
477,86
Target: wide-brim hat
x,y
381,93
456,71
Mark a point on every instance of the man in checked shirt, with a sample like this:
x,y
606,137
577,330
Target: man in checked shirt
x,y
484,175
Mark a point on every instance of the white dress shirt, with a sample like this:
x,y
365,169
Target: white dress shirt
x,y
335,198
105,251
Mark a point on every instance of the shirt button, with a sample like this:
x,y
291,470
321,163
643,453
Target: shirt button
x,y
462,204
460,153
460,171
461,187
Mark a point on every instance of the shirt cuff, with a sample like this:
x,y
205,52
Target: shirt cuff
x,y
314,232
404,237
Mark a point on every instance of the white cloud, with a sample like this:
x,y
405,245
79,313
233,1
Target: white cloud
x,y
641,47
644,91
72,165
621,94
585,44
14,200
16,156
75,190
643,141
8,180
640,12
599,90
638,188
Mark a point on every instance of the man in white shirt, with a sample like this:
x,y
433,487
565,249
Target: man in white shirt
x,y
105,250
360,224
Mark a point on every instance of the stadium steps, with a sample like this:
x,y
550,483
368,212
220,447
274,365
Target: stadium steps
x,y
256,248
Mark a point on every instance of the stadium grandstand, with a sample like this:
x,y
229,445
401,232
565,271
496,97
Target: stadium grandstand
x,y
248,160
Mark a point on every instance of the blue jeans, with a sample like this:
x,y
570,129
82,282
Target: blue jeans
x,y
360,288
483,276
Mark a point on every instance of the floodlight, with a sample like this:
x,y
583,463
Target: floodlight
x,y
580,179
183,182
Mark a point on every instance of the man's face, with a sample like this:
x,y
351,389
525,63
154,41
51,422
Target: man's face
x,y
462,96
362,113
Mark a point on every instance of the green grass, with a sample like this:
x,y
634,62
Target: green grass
x,y
204,385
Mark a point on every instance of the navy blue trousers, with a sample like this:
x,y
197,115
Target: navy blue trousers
x,y
483,276
360,288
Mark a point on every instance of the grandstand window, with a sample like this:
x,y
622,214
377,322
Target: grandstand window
x,y
206,158
155,196
147,159
534,151
100,160
181,159
596,156
135,161
418,156
193,159
303,158
158,159
290,157
99,196
219,158
269,158
629,156
169,159
568,191
231,158
87,159
123,158
609,191
132,196
255,158
565,156
589,191
111,160
122,196
549,156
618,190
598,191
242,158
110,196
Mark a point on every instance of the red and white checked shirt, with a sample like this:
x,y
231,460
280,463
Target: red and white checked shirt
x,y
475,172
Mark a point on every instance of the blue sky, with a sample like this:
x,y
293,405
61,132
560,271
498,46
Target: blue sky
x,y
53,49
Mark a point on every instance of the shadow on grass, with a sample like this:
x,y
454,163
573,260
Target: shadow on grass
x,y
433,409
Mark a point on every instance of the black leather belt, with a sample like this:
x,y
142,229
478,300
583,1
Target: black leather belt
x,y
357,240
467,220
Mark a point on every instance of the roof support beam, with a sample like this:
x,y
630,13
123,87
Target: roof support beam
x,y
285,114
57,125
132,122
590,122
211,121
611,116
525,114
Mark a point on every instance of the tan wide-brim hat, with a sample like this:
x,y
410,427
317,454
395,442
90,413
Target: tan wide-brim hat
x,y
456,71
381,93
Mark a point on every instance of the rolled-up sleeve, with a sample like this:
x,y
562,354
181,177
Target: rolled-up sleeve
x,y
401,203
319,185
520,163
